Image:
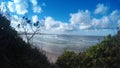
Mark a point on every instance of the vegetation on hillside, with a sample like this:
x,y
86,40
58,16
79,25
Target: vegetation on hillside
x,y
103,55
15,53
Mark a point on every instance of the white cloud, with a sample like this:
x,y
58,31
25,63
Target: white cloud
x,y
65,27
17,6
35,18
78,21
3,7
101,23
17,1
111,21
84,27
50,23
11,6
14,21
34,2
81,19
114,16
37,9
21,6
101,9
53,25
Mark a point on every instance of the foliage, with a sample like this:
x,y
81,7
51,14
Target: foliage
x,y
15,53
103,55
29,29
68,61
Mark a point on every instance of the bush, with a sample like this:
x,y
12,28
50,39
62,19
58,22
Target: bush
x,y
103,55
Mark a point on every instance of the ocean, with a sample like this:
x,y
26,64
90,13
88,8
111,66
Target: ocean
x,y
54,45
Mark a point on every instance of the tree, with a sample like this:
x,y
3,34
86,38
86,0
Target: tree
x,y
29,29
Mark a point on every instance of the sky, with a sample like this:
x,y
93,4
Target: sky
x,y
79,17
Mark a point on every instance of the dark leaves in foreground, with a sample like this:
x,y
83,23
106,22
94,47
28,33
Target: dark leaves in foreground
x,y
15,53
103,55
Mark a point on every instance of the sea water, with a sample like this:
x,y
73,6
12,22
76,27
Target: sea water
x,y
59,43
54,45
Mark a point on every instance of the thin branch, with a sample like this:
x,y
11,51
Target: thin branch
x,y
34,33
27,38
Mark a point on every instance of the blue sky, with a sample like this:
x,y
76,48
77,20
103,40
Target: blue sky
x,y
83,17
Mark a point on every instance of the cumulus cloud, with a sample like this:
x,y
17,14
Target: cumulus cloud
x,y
14,21
35,18
81,27
101,23
51,24
11,6
36,8
34,2
101,9
18,6
114,16
65,27
17,1
21,6
3,7
81,18
111,21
